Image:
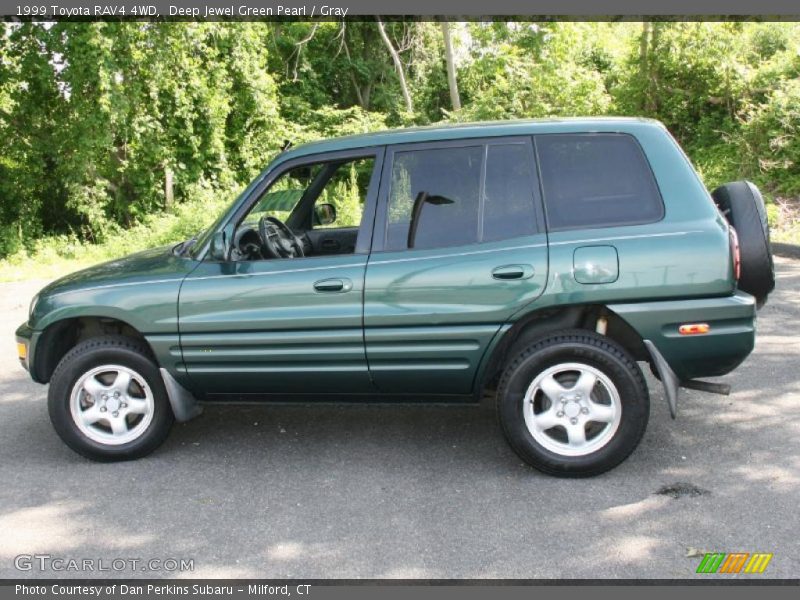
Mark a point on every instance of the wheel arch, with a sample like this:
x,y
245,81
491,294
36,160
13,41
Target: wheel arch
x,y
61,336
544,321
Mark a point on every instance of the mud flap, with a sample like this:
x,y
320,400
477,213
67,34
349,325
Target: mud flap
x,y
667,376
184,404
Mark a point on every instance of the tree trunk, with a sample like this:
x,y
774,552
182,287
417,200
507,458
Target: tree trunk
x,y
455,100
356,87
643,41
652,75
644,69
397,65
168,194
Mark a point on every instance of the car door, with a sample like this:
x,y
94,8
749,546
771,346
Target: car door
x,y
459,247
255,327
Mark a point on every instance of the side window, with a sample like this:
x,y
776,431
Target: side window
x,y
341,203
434,198
596,180
284,194
321,204
508,209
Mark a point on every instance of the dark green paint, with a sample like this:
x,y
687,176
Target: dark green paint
x,y
420,320
259,327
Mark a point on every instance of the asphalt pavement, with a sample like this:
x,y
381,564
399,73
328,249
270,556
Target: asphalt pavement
x,y
377,491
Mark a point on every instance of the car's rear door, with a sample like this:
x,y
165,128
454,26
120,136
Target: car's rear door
x,y
459,247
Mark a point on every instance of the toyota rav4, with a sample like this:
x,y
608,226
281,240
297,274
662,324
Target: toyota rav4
x,y
540,261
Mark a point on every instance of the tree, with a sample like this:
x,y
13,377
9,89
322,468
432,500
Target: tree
x,y
33,193
531,70
398,65
452,84
97,118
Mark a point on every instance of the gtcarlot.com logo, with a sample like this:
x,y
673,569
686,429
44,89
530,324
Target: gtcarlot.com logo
x,y
734,562
47,562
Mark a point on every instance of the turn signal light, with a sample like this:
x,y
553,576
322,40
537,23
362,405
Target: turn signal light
x,y
694,329
22,351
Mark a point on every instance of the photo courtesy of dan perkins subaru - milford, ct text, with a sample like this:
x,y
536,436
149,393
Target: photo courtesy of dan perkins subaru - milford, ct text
x,y
150,589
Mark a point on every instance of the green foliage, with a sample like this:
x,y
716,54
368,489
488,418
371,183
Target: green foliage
x,y
347,192
531,70
110,108
770,139
95,118
689,75
49,256
328,122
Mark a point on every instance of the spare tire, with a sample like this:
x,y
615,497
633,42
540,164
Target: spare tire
x,y
743,206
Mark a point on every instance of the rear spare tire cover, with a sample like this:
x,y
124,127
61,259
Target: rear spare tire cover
x,y
743,206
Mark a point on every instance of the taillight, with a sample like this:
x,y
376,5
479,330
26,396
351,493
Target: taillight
x,y
737,257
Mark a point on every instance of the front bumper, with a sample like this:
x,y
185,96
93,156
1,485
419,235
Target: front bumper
x,y
26,345
730,339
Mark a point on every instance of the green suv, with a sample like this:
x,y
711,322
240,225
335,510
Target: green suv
x,y
537,260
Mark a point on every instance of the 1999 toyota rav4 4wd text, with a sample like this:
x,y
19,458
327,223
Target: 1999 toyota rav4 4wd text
x,y
540,259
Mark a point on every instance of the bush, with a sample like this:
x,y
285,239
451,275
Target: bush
x,y
50,256
10,239
769,142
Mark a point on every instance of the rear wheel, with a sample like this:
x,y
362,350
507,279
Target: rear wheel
x,y
107,400
573,404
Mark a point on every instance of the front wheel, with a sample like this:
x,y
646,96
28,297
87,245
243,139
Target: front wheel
x,y
107,400
573,404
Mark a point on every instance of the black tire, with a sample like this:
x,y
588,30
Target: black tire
x,y
586,348
743,206
93,353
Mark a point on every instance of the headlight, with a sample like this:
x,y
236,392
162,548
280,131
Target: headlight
x,y
31,308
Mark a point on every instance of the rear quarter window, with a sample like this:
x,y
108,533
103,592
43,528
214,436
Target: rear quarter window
x,y
596,180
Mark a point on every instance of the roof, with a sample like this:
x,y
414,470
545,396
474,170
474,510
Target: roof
x,y
470,130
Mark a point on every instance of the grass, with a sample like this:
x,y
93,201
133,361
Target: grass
x,y
784,220
54,256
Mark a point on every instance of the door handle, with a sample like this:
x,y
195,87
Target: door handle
x,y
333,285
508,272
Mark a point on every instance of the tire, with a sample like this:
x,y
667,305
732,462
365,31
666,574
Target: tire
x,y
743,207
541,431
107,400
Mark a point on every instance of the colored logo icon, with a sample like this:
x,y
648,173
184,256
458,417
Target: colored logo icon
x,y
734,562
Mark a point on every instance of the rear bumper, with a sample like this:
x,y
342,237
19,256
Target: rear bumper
x,y
729,341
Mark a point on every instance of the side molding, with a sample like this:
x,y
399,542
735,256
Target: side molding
x,y
184,404
668,377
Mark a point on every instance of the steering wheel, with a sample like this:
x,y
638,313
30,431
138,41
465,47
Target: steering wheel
x,y
277,240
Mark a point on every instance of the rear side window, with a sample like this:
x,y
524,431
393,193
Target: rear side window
x,y
596,180
508,209
454,196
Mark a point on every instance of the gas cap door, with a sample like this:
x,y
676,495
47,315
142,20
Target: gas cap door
x,y
595,264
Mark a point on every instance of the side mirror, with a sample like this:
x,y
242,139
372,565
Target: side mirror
x,y
324,214
218,249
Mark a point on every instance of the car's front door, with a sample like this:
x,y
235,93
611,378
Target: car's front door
x,y
459,247
292,325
